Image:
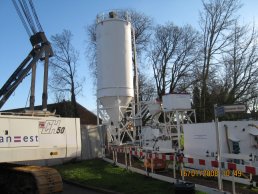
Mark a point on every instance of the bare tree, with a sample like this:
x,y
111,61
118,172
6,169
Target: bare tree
x,y
91,51
64,64
215,22
235,78
146,87
240,66
174,52
142,25
253,107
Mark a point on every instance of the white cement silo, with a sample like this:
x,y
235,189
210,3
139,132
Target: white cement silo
x,y
114,66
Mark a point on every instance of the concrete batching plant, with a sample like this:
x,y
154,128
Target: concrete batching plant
x,y
161,126
114,73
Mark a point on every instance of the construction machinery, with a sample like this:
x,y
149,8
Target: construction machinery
x,y
33,135
165,129
35,138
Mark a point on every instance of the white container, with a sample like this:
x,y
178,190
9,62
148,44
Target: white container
x,y
114,66
154,107
176,102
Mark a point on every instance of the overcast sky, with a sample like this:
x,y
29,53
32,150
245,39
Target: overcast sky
x,y
75,15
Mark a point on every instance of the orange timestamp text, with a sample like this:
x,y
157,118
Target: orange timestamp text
x,y
209,173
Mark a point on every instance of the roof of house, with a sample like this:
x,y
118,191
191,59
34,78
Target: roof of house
x,y
64,109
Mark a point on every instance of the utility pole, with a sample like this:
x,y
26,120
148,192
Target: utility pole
x,y
220,184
